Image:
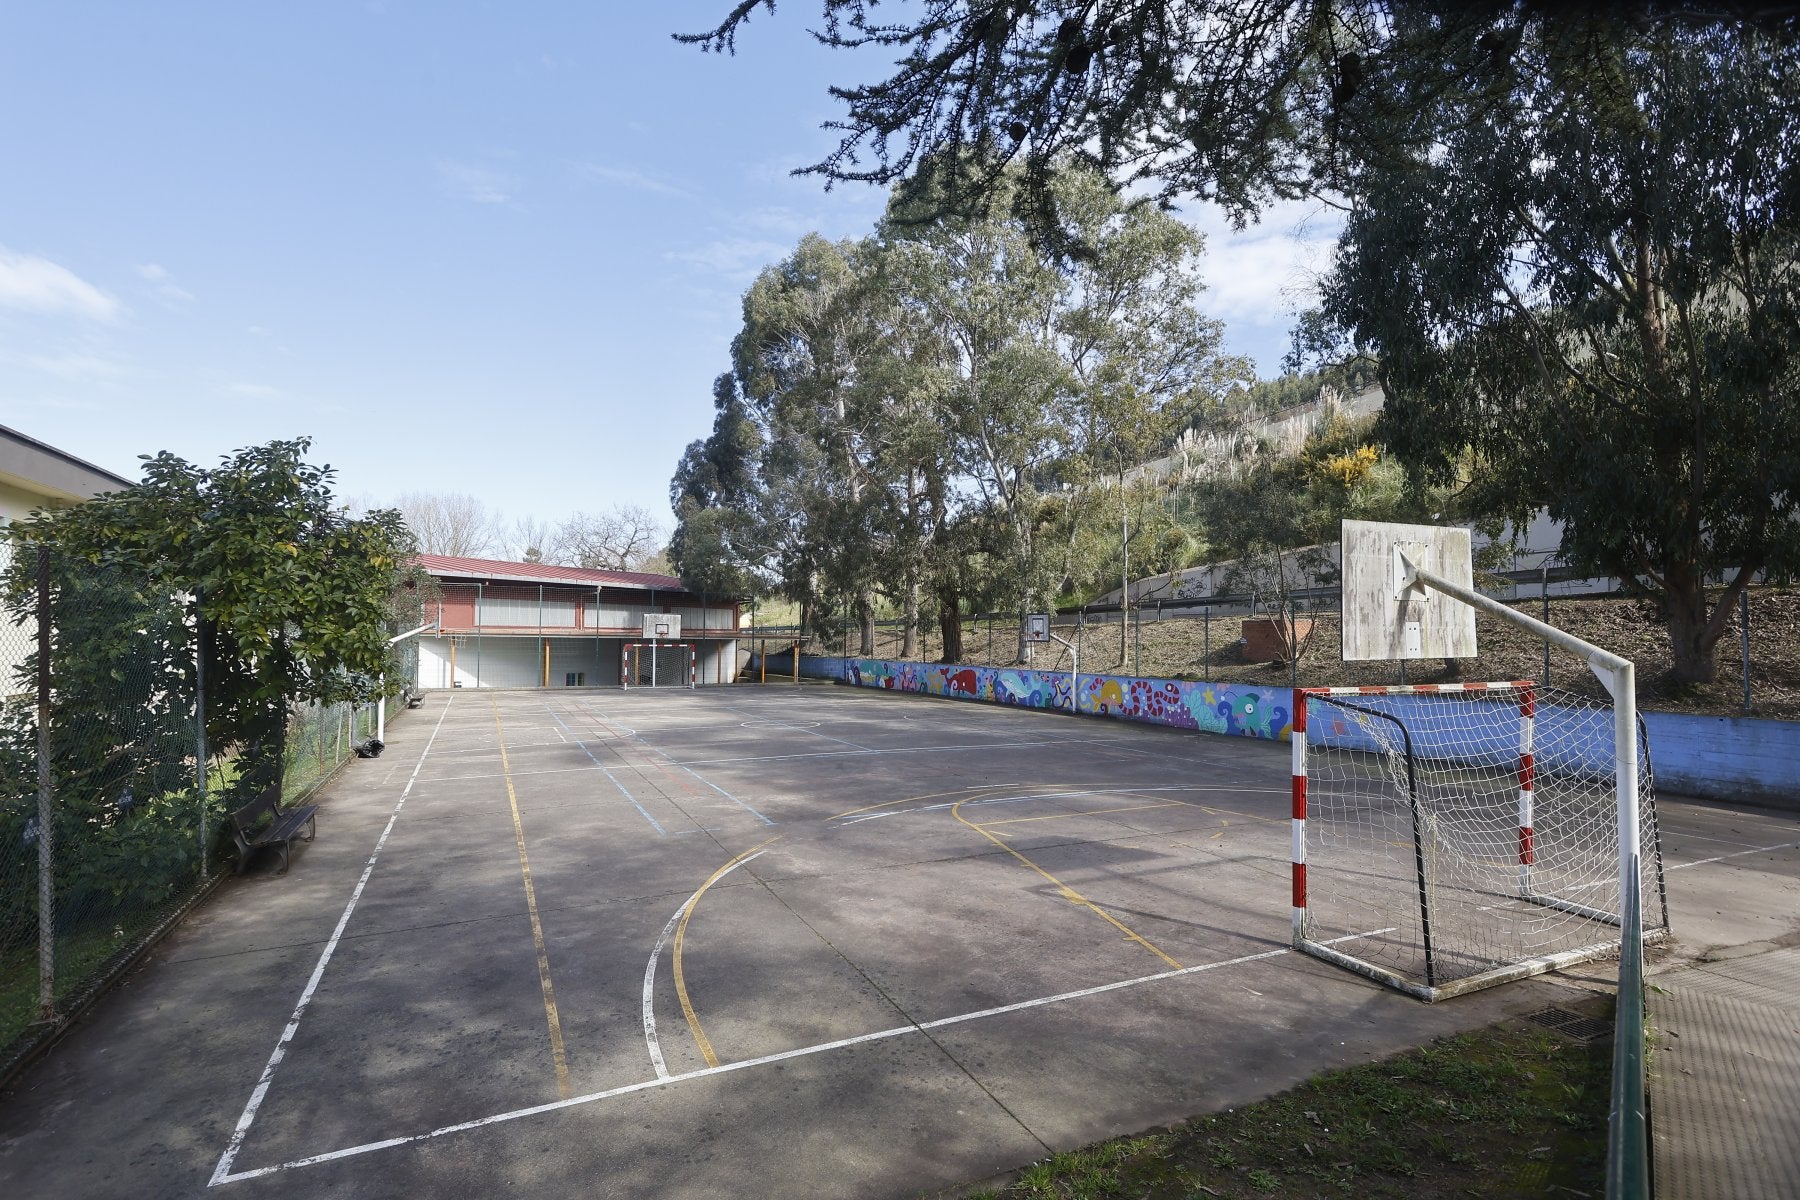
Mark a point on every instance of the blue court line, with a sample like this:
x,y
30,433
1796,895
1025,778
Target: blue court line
x,y
642,811
666,758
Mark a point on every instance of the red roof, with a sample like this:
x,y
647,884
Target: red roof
x,y
449,566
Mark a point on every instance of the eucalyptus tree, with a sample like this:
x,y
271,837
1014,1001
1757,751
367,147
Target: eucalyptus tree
x,y
808,337
1595,288
730,538
1055,371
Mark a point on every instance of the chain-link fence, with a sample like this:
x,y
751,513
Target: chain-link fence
x,y
1295,641
320,738
102,821
107,830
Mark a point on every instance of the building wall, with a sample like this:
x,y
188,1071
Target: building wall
x,y
516,661
596,660
514,607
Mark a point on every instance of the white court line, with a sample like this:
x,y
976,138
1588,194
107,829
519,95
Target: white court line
x,y
642,811
656,1057
670,759
1695,837
1700,862
798,728
223,1170
764,1060
901,812
708,762
513,774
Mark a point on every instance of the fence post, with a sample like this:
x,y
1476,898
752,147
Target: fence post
x,y
200,729
1137,640
1744,625
1544,587
46,815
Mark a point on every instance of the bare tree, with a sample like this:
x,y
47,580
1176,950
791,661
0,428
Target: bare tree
x,y
624,537
451,523
532,540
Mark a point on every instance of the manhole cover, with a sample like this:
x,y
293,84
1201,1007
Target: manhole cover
x,y
1572,1024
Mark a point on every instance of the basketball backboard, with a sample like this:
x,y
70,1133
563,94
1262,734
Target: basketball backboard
x,y
1384,619
662,625
1037,627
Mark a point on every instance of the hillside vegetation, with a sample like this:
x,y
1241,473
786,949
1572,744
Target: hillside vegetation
x,y
1176,647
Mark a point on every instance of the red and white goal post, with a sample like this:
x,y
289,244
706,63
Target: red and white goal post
x,y
1451,837
630,664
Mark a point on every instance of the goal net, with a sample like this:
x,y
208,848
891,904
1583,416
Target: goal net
x,y
1453,837
658,664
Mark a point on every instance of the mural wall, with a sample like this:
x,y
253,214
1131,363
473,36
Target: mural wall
x,y
1240,710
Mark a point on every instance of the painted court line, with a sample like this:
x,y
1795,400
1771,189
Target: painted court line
x,y
598,715
655,1047
558,1053
642,811
709,762
1700,862
222,1172
790,725
901,812
516,1114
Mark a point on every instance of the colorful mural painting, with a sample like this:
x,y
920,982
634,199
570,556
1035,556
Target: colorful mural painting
x,y
1239,710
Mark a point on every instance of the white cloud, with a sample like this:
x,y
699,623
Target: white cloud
x,y
480,184
738,258
36,284
76,365
257,331
631,177
158,277
251,391
1265,273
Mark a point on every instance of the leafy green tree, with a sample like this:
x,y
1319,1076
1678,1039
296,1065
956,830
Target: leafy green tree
x,y
1226,100
1594,288
1054,373
295,598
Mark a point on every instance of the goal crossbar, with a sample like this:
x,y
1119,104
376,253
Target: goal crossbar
x,y
1427,812
625,656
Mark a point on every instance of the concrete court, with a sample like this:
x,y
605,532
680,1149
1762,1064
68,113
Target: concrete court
x,y
866,878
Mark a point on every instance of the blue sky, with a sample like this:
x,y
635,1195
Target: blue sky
x,y
484,248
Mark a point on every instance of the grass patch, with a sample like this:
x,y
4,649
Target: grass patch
x,y
1507,1111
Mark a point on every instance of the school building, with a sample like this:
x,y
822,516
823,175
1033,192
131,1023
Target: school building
x,y
527,625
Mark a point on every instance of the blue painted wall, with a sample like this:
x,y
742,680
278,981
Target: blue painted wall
x,y
1726,758
1717,758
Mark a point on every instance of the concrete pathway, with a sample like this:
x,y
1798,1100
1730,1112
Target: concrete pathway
x,y
1725,1075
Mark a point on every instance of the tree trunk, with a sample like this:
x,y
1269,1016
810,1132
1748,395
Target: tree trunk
x,y
865,616
950,621
1690,643
909,643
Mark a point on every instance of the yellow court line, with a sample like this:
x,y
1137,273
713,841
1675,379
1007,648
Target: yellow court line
x,y
986,787
1091,812
557,1053
1068,892
681,992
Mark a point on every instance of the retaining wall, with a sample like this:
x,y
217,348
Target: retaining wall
x,y
1739,759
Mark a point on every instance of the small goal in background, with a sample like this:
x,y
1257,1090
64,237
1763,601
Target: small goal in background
x,y
1452,837
659,664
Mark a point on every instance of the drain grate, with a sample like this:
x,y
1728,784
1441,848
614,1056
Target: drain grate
x,y
1572,1024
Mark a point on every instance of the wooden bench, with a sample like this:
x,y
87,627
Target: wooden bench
x,y
249,830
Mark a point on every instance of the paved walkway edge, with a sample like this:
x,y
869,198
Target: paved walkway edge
x,y
1725,1078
